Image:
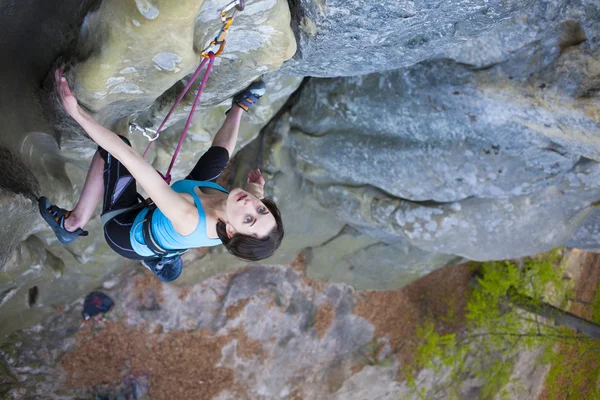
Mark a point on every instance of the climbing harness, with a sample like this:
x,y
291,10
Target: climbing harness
x,y
209,57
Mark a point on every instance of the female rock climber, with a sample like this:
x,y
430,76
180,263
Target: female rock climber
x,y
194,212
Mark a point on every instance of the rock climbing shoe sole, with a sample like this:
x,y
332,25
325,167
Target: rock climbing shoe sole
x,y
55,217
165,269
250,96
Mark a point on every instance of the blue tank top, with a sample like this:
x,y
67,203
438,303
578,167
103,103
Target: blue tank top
x,y
162,229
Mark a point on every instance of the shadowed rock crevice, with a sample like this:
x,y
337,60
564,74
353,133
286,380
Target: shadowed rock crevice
x,y
33,295
15,177
573,35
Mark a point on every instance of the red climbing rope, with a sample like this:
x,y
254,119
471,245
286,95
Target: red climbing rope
x,y
211,61
185,90
209,56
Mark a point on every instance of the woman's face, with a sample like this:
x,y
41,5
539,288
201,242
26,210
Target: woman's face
x,y
247,215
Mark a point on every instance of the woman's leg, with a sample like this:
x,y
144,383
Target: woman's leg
x,y
107,178
214,161
91,195
120,193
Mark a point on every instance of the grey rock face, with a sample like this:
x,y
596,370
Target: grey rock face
x,y
343,38
587,236
486,163
334,251
364,262
479,229
541,23
488,148
439,131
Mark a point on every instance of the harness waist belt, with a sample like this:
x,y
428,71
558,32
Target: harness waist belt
x,y
151,243
106,217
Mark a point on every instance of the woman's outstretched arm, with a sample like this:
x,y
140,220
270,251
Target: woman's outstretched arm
x,y
182,214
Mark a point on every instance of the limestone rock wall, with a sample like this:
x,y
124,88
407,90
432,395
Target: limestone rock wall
x,y
504,158
115,75
358,37
427,131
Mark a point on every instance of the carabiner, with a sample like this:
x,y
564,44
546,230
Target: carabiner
x,y
224,28
227,21
151,138
238,4
206,54
133,126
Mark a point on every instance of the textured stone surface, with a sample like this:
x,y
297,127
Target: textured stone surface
x,y
487,163
36,273
478,229
138,50
587,236
366,263
541,23
488,148
249,302
30,255
441,132
357,37
334,250
278,335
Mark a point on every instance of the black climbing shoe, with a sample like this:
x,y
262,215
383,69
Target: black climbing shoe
x,y
250,96
166,269
55,217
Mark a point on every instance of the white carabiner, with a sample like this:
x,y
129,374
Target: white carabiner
x,y
133,126
150,137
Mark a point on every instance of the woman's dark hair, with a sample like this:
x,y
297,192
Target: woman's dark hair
x,y
251,248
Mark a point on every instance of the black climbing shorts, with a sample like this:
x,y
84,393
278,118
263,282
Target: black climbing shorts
x,y
120,191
